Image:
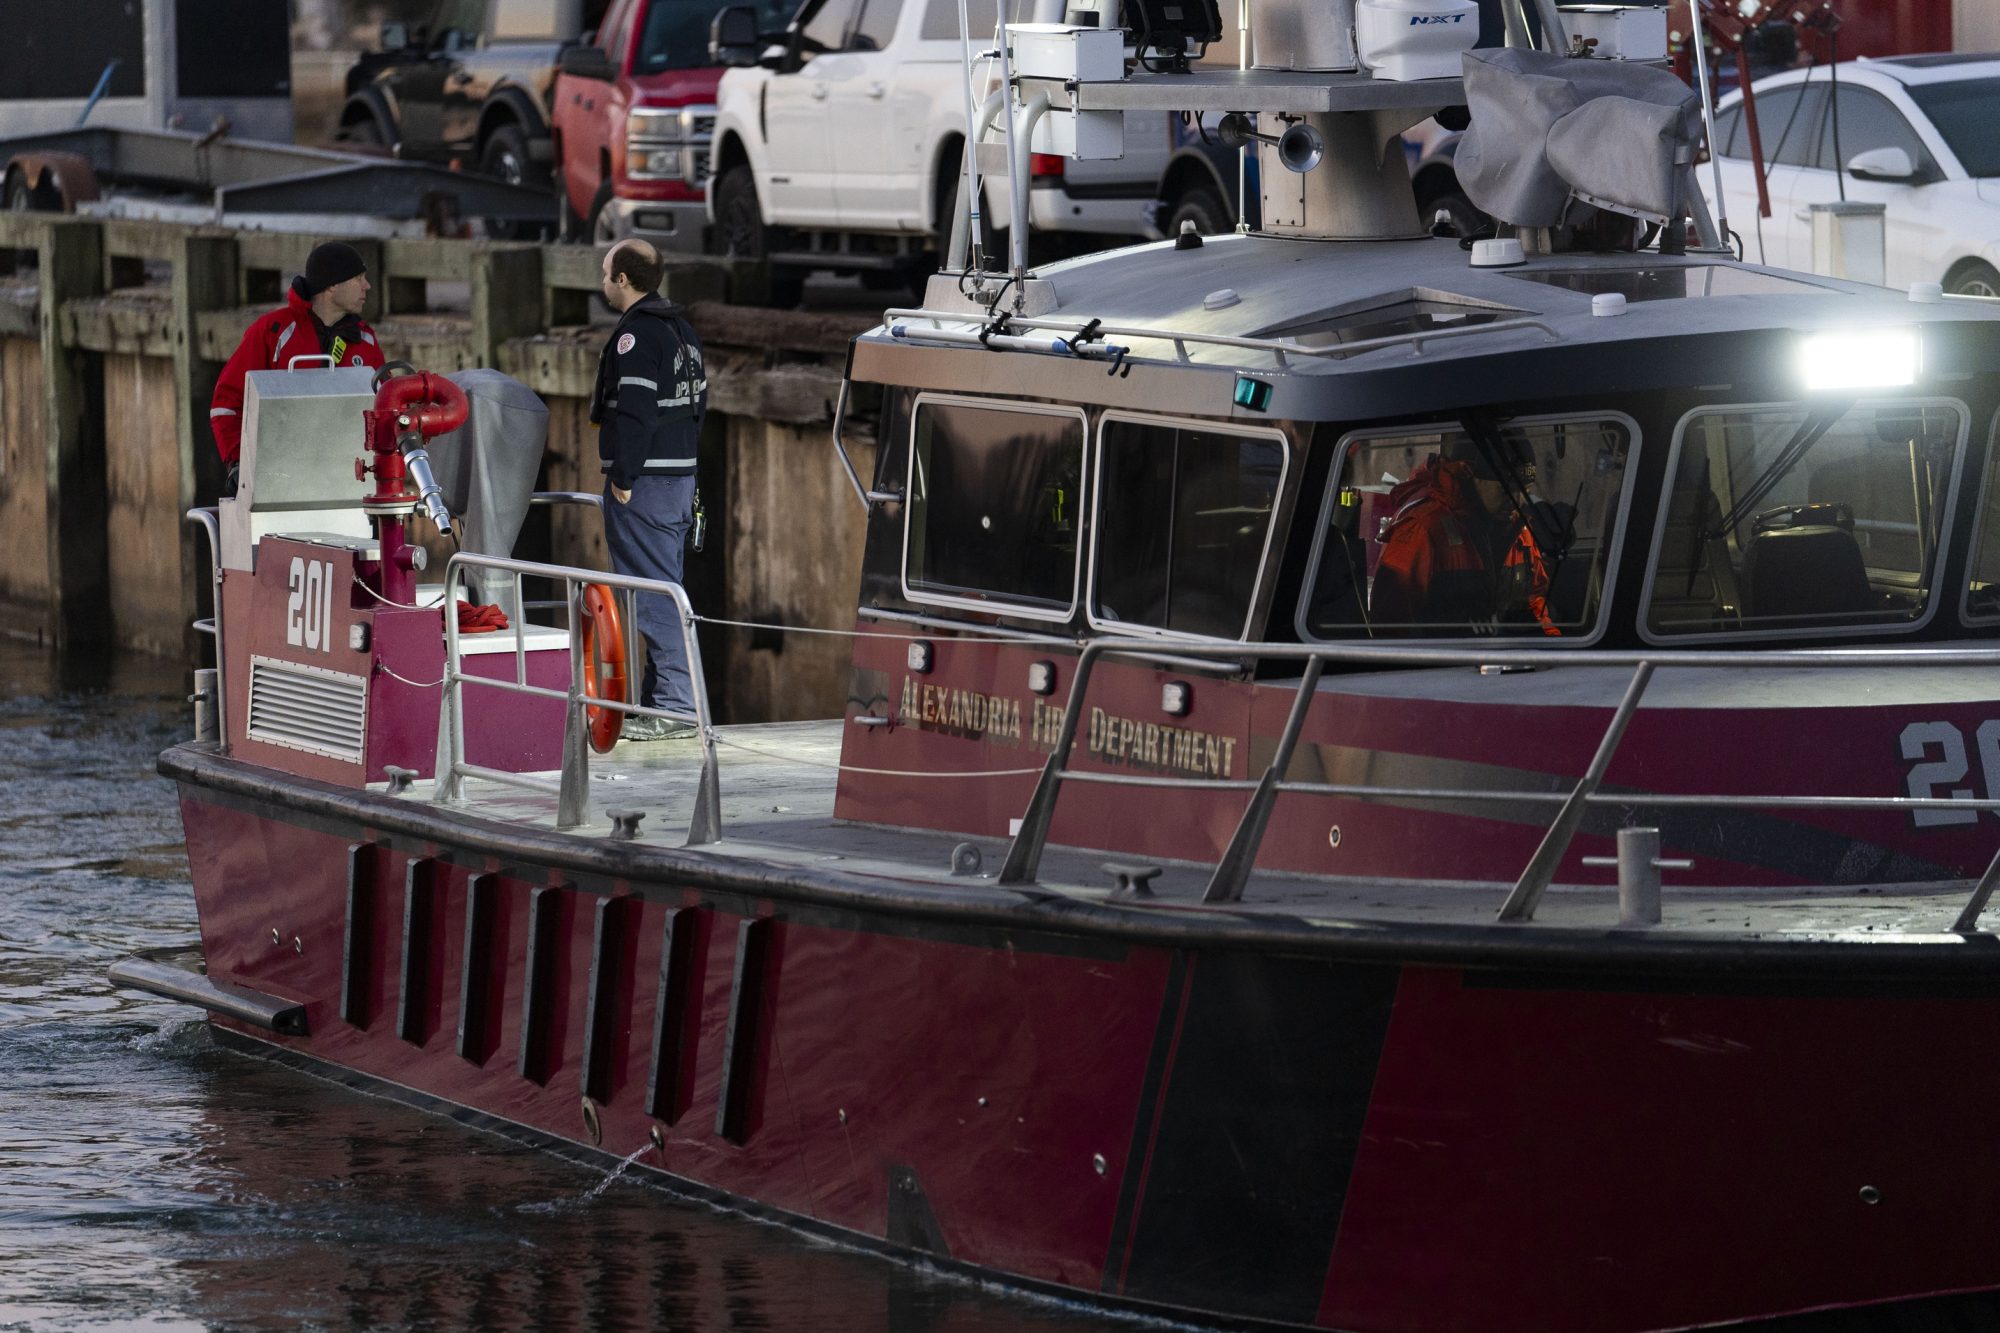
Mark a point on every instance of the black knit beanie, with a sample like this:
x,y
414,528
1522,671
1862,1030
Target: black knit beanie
x,y
331,264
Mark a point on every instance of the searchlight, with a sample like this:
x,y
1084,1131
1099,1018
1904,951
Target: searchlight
x,y
1860,359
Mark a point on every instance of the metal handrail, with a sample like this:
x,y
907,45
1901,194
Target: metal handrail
x,y
704,825
869,499
1279,348
212,625
1232,871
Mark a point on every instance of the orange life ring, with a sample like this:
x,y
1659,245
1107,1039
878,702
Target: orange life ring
x,y
603,665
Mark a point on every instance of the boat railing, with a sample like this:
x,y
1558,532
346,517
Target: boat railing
x,y
1096,330
1232,872
571,788
211,624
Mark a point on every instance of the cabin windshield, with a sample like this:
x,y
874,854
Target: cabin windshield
x,y
1793,518
1982,587
994,497
1184,515
1456,530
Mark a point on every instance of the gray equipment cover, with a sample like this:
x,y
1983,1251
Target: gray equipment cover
x,y
1546,126
487,469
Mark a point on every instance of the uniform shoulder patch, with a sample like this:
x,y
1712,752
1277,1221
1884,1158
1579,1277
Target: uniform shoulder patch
x,y
626,342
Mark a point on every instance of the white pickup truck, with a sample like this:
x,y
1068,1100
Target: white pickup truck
x,y
838,146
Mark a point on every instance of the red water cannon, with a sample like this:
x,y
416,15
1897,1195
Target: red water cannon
x,y
409,409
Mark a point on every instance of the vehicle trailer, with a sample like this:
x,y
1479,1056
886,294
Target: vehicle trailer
x,y
274,187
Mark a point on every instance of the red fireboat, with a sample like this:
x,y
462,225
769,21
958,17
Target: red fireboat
x,y
1196,910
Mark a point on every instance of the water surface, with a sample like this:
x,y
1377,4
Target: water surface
x,y
151,1179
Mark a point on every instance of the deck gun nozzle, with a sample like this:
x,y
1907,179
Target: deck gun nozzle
x,y
429,494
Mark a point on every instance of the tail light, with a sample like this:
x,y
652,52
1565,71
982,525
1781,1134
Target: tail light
x,y
1045,166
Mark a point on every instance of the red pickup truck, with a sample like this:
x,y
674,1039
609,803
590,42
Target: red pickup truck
x,y
634,111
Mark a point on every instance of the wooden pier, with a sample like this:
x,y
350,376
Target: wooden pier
x,y
112,334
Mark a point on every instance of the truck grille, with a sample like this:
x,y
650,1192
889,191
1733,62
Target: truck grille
x,y
308,708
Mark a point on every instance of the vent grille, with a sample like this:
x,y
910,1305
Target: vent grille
x,y
308,708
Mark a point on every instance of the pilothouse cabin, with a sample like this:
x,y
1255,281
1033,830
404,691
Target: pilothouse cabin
x,y
1737,458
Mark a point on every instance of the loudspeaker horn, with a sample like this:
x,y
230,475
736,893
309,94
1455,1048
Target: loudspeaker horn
x,y
1299,147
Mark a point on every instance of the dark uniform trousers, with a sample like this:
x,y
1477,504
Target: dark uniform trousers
x,y
647,537
651,394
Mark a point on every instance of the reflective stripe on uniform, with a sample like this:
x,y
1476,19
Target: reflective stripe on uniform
x,y
285,337
682,401
642,383
222,411
668,462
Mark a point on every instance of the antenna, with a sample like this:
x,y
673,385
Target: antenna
x,y
1708,119
972,131
1017,199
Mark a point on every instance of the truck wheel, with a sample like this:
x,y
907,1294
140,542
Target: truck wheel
x,y
24,197
1203,207
505,157
1974,278
741,233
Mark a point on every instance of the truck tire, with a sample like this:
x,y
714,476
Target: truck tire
x,y
1201,206
741,233
25,196
505,157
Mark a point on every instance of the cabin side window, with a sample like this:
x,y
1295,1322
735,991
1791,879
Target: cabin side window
x,y
1452,530
1793,518
993,504
1982,586
1184,514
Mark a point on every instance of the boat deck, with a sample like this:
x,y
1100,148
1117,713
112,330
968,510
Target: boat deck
x,y
777,784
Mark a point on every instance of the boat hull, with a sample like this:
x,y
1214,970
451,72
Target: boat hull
x,y
1339,1129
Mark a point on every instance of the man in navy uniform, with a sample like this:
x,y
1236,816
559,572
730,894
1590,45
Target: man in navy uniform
x,y
651,394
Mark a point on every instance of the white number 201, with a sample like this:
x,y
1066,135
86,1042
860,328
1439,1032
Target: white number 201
x,y
1935,778
309,609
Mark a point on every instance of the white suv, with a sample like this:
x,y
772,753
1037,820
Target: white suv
x,y
841,147
1917,134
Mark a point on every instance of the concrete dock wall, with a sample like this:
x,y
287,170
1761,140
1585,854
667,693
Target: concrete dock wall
x,y
100,459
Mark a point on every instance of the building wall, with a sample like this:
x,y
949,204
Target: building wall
x,y
1976,25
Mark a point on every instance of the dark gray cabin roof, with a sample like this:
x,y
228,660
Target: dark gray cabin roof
x,y
1284,282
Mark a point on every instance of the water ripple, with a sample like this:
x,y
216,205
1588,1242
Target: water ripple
x,y
151,1180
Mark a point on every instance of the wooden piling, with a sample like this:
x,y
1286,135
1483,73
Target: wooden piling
x,y
71,263
204,280
506,297
95,459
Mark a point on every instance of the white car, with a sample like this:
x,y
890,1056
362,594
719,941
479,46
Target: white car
x,y
839,147
1918,134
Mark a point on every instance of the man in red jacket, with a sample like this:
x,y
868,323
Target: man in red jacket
x,y
321,317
